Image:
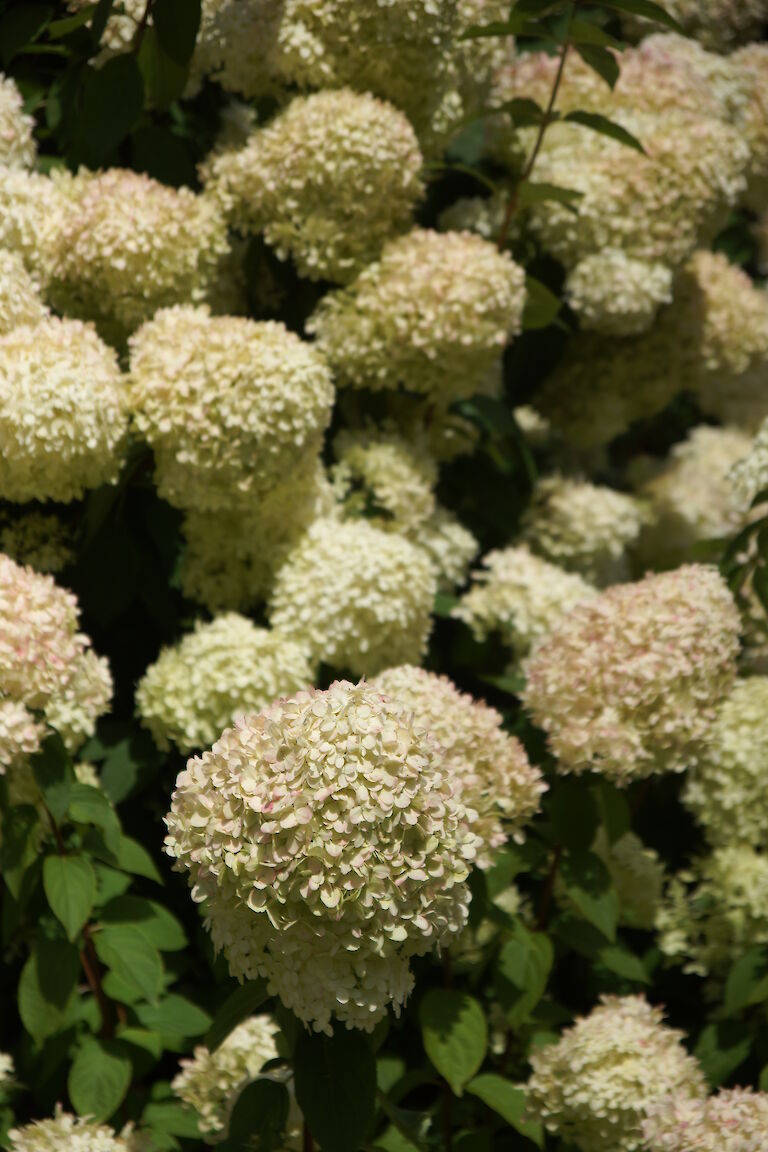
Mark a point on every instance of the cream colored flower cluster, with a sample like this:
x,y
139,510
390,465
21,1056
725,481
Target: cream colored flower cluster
x,y
734,1120
519,595
6,1068
719,24
41,541
120,29
62,412
382,476
210,1081
616,294
45,664
586,528
749,475
34,210
470,304
226,403
328,181
450,546
133,246
232,554
488,768
223,669
691,494
627,683
358,598
726,790
17,144
20,299
712,914
599,1082
324,836
65,1131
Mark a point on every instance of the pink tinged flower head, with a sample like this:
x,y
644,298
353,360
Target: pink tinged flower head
x,y
734,1120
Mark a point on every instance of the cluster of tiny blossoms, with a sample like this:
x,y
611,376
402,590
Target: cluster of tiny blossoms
x,y
356,597
17,145
719,24
328,181
519,595
450,546
488,768
385,478
616,294
66,1131
734,1120
219,671
20,299
627,683
62,412
749,475
227,403
6,1068
597,1084
45,663
132,246
34,209
324,836
586,528
41,541
470,304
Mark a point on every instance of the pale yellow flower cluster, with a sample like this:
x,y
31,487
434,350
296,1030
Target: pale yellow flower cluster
x,y
66,1131
38,540
734,1120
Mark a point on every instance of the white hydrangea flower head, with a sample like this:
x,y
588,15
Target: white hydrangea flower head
x,y
598,1083
222,669
20,299
211,1081
748,108
450,547
347,855
749,475
470,304
65,1131
34,209
627,683
713,913
483,215
637,874
120,29
62,412
384,477
134,246
733,1120
6,1068
358,598
616,294
226,403
17,144
489,769
726,790
327,182
586,528
45,664
519,595
692,495
37,539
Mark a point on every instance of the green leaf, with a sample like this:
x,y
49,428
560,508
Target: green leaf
x,y
444,605
588,884
160,926
150,1043
112,101
455,1034
721,1048
100,17
574,813
236,1008
522,970
164,80
508,1100
126,951
624,963
614,810
747,982
54,775
18,844
133,857
89,805
600,60
70,888
59,28
335,1081
529,193
648,9
176,23
174,1015
47,987
258,1119
173,1118
20,26
587,32
99,1078
542,306
605,127
523,112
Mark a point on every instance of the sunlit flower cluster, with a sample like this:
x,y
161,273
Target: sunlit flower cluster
x,y
17,145
221,670
450,547
488,768
749,475
716,911
324,836
470,305
598,1083
734,1120
34,210
519,595
627,683
226,403
20,299
358,598
133,246
584,527
62,412
616,294
386,479
328,181
41,541
65,1131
